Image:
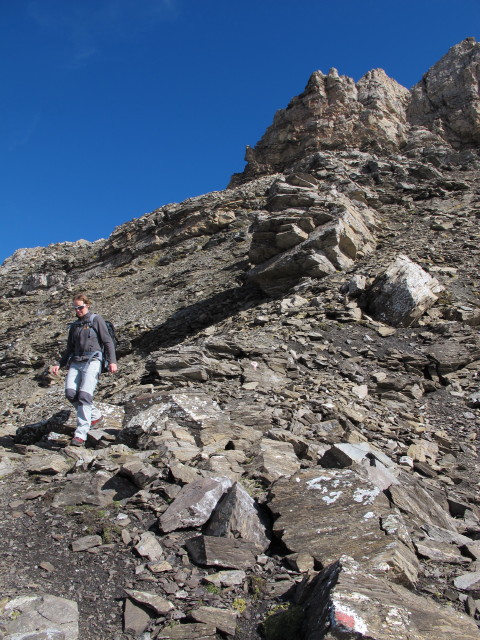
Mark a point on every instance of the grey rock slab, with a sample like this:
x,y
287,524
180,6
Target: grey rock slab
x,y
329,431
327,513
194,631
54,617
440,552
149,547
399,563
238,516
473,548
382,477
228,578
354,605
468,581
86,542
6,466
194,504
302,562
300,445
274,460
221,552
49,464
182,473
135,618
223,619
99,489
263,377
449,356
445,535
420,506
161,606
140,473
189,410
344,454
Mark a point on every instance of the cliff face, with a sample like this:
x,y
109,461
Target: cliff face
x,y
446,101
297,401
376,114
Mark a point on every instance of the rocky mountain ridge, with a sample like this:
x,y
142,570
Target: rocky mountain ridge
x,y
289,449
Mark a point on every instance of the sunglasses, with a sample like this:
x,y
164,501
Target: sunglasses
x,y
80,306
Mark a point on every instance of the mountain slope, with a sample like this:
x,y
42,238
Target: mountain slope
x,y
258,345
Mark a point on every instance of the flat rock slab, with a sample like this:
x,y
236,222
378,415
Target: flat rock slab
x,y
275,460
196,631
440,552
99,489
153,601
223,619
87,542
227,578
330,512
42,617
135,617
359,606
221,552
140,473
419,505
6,466
51,464
194,504
468,581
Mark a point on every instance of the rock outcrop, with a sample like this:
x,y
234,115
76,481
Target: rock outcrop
x,y
289,449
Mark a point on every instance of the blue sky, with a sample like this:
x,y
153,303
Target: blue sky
x,y
112,108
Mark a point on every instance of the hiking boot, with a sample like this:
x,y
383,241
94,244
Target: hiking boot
x,y
77,442
94,422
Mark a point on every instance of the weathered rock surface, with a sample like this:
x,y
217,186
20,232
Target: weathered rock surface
x,y
363,606
41,617
402,294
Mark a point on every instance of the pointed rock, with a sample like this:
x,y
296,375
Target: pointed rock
x,y
238,516
194,504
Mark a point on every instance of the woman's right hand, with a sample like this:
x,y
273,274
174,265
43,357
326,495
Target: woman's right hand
x,y
55,369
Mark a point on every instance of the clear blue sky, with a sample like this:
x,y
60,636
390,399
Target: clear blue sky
x,y
112,108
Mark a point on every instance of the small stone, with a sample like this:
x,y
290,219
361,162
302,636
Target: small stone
x,y
149,547
159,567
160,605
85,543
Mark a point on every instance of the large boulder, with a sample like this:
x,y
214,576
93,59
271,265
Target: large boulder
x,y
344,602
402,294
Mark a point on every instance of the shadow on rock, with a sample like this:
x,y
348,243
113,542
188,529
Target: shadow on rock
x,y
196,317
32,433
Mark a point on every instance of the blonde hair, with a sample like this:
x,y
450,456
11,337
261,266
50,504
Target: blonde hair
x,y
83,297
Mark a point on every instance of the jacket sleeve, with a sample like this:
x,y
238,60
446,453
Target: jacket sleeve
x,y
69,351
105,339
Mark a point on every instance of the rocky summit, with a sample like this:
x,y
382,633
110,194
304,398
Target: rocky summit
x,y
289,450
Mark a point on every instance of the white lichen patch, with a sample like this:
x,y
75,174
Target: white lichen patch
x,y
332,497
365,496
316,483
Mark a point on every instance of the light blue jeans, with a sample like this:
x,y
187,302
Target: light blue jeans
x,y
80,384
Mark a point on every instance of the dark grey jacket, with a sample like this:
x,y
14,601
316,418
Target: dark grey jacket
x,y
87,336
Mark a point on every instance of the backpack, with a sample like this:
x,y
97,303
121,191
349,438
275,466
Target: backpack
x,y
113,335
111,331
